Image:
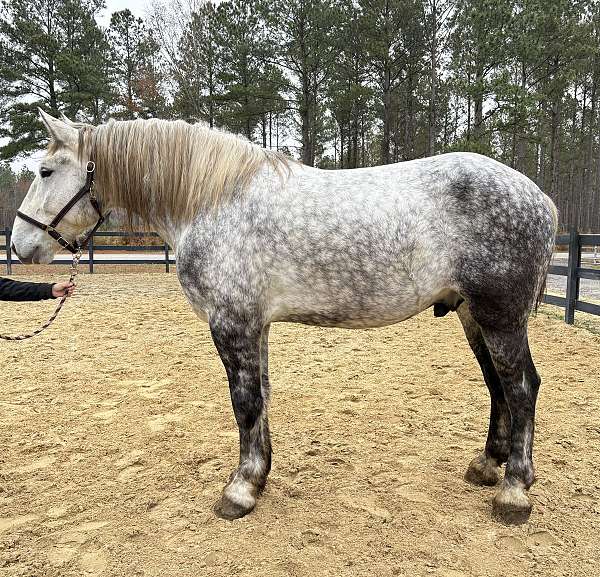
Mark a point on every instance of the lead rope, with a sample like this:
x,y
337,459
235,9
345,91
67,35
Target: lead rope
x,y
59,306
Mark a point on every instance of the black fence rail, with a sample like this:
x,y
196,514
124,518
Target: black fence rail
x,y
573,271
91,257
164,248
7,249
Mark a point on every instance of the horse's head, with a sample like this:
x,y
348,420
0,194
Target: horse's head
x,y
61,175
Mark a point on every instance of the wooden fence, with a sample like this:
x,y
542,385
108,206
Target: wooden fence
x,y
573,271
91,257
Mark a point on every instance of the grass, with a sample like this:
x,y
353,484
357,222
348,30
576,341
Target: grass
x,y
582,320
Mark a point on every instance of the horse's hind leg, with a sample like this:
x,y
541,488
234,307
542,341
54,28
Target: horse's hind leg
x,y
520,381
238,342
485,468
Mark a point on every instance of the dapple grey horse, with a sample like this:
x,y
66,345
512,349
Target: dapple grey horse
x,y
280,241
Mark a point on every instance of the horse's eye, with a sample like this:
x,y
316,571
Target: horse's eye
x,y
45,172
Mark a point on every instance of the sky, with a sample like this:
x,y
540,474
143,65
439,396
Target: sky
x,y
137,7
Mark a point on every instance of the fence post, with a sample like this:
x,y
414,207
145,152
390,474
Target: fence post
x,y
7,236
572,276
166,257
91,254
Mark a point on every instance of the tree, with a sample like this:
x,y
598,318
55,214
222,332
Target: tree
x,y
135,66
349,94
44,63
393,30
437,29
83,63
300,34
481,28
195,65
251,83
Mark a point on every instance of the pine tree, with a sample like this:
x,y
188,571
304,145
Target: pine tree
x,y
349,93
196,65
44,63
135,67
300,36
251,83
394,32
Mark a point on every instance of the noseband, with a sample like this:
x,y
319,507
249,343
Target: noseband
x,y
87,188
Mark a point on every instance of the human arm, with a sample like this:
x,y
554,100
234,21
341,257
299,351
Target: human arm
x,y
12,290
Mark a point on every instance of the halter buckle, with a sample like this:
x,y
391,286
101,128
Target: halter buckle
x,y
91,166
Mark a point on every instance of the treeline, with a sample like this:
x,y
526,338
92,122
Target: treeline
x,y
13,188
336,83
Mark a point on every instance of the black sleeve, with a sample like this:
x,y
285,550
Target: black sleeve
x,y
12,290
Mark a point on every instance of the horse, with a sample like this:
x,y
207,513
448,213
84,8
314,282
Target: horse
x,y
260,238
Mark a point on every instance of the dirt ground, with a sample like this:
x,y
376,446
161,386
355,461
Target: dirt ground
x,y
117,435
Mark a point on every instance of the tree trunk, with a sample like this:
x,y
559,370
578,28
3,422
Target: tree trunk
x,y
305,118
432,121
341,146
387,118
355,142
521,143
53,101
270,129
587,168
409,131
362,140
478,103
469,108
555,114
540,177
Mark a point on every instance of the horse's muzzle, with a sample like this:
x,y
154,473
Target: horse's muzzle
x,y
23,259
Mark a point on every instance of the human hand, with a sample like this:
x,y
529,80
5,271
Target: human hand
x,y
60,289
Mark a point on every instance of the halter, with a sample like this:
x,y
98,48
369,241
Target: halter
x,y
75,246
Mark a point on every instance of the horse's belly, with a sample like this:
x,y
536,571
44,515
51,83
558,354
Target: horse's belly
x,y
327,319
338,311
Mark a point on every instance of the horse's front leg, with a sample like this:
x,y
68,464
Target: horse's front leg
x,y
238,341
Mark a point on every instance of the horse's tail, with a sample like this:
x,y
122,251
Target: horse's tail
x,y
544,280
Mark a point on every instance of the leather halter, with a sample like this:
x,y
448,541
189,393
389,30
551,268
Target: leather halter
x,y
75,246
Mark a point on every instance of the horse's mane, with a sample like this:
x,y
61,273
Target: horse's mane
x,y
159,168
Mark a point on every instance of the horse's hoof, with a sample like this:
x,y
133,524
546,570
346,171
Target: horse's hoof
x,y
482,471
237,500
227,509
511,506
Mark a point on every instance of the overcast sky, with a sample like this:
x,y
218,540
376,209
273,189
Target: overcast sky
x,y
138,7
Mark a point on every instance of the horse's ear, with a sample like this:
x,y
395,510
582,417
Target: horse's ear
x,y
66,120
59,131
